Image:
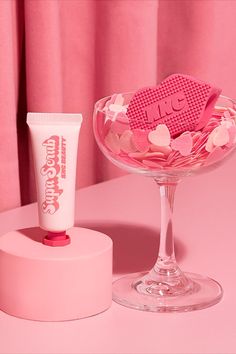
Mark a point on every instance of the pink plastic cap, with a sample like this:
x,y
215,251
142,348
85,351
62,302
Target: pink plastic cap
x,y
55,239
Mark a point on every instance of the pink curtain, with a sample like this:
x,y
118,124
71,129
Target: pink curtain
x,y
63,55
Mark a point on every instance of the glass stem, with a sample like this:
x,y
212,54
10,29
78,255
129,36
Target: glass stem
x,y
165,278
166,262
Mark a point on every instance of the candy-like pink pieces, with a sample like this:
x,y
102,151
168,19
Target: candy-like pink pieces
x,y
216,155
220,136
160,136
152,164
112,141
156,150
209,145
140,140
227,114
107,127
232,136
155,155
165,149
126,143
120,124
137,155
183,144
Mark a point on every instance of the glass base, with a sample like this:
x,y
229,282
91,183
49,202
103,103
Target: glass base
x,y
138,292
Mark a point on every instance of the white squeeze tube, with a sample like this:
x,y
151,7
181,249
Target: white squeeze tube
x,y
54,139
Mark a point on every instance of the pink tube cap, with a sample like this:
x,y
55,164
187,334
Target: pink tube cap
x,y
55,239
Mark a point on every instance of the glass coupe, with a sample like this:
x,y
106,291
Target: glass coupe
x,y
165,288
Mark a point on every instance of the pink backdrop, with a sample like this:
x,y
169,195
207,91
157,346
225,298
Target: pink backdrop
x,y
62,55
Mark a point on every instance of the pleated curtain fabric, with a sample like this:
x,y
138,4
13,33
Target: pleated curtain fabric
x,y
63,55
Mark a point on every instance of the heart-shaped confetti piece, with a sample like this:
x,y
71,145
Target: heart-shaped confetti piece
x,y
183,144
155,155
160,136
137,155
228,123
227,114
232,136
112,141
126,143
209,145
164,149
120,124
232,112
140,140
216,155
181,102
220,136
152,164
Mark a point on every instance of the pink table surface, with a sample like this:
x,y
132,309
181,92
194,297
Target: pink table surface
x,y
127,209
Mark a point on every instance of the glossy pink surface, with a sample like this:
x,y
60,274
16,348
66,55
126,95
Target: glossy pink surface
x,y
127,209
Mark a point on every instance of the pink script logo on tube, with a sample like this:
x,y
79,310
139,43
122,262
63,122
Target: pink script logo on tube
x,y
53,169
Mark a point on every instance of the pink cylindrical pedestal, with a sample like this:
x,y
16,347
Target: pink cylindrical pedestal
x,y
44,283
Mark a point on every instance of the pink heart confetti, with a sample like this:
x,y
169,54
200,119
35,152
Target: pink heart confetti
x,y
122,117
140,140
115,108
150,155
232,136
126,143
100,123
119,126
115,102
137,155
200,144
107,127
226,114
173,155
228,123
209,145
220,109
215,156
220,136
112,141
110,101
196,136
152,164
119,99
164,149
232,112
160,136
183,144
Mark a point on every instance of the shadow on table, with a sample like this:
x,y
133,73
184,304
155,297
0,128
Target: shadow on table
x,y
35,233
135,247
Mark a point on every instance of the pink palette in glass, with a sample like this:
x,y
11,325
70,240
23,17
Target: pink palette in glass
x,y
181,127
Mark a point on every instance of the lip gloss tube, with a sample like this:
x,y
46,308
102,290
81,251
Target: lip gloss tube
x,y
54,138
